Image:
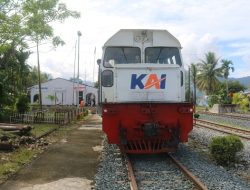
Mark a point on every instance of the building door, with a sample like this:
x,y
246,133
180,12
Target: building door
x,y
60,97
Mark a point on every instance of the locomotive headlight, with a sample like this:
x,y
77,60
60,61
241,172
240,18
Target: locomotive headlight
x,y
109,110
186,110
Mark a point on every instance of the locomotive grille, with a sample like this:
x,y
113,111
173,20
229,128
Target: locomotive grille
x,y
149,146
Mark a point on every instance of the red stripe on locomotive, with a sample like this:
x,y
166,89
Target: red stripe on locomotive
x,y
147,127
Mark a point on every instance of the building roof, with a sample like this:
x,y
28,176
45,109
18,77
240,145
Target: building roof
x,y
58,78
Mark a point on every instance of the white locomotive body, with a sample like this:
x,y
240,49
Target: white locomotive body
x,y
142,65
142,92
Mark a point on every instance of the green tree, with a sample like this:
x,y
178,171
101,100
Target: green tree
x,y
226,69
22,104
11,24
233,86
33,77
24,22
221,96
208,73
13,72
52,98
37,18
241,100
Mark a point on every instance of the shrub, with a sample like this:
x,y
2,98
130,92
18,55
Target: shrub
x,y
85,112
5,114
241,100
22,104
224,149
196,115
213,99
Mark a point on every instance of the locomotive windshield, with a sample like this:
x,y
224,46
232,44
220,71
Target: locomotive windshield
x,y
121,55
162,55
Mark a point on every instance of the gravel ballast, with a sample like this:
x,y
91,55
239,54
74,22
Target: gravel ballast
x,y
226,120
203,137
213,176
153,173
112,171
157,171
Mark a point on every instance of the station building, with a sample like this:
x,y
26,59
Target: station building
x,y
60,91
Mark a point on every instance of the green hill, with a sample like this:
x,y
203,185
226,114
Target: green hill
x,y
243,80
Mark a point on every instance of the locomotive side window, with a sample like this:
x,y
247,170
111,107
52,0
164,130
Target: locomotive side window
x,y
121,55
107,78
162,55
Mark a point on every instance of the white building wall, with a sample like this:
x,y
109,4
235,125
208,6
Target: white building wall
x,y
63,90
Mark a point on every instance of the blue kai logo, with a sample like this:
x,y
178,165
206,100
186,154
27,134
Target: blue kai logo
x,y
152,81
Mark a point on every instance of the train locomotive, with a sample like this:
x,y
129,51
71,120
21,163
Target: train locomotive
x,y
142,92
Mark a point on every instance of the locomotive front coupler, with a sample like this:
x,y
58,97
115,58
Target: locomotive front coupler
x,y
150,129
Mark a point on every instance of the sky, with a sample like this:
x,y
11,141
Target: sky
x,y
200,26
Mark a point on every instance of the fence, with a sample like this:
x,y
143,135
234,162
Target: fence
x,y
57,116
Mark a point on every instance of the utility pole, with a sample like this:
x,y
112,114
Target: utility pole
x,y
74,76
39,77
77,100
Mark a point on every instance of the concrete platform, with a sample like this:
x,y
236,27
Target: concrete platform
x,y
67,165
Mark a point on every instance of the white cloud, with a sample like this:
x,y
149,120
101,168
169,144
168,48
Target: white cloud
x,y
195,47
201,26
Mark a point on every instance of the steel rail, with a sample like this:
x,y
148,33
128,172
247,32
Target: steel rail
x,y
232,130
224,126
133,184
193,178
226,115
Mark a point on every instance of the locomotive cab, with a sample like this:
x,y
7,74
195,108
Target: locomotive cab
x,y
142,92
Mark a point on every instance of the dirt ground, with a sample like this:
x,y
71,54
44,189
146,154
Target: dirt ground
x,y
67,165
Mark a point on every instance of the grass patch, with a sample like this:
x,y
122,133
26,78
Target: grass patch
x,y
15,161
39,129
200,108
8,134
23,155
7,168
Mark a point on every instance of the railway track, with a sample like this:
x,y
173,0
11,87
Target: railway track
x,y
243,133
157,171
160,172
233,116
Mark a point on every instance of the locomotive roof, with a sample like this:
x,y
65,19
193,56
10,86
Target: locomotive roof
x,y
127,37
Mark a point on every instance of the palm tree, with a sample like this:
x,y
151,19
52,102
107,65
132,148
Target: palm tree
x,y
225,69
193,69
207,74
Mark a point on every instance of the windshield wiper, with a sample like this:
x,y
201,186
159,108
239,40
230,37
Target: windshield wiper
x,y
158,55
124,55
